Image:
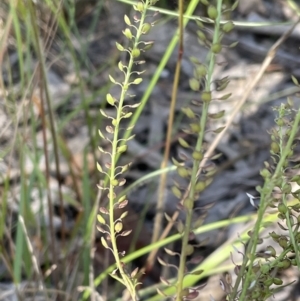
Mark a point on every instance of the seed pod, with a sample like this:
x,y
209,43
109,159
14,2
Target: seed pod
x,y
183,172
277,281
206,96
228,26
135,52
275,147
216,48
146,28
212,12
188,203
198,156
282,208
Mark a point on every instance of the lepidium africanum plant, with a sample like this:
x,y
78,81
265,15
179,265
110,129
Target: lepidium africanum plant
x,y
112,227
258,276
201,82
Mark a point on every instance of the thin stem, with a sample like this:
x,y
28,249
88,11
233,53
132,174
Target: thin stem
x,y
163,178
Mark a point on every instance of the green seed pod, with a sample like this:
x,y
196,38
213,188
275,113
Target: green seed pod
x,y
280,122
198,156
265,268
176,192
282,208
216,48
277,281
195,127
294,261
139,7
205,2
228,26
188,203
135,52
118,226
265,173
212,12
283,242
201,35
206,96
183,143
287,188
194,84
268,282
183,172
188,112
114,182
286,263
275,147
271,250
127,33
200,186
201,71
146,28
189,250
